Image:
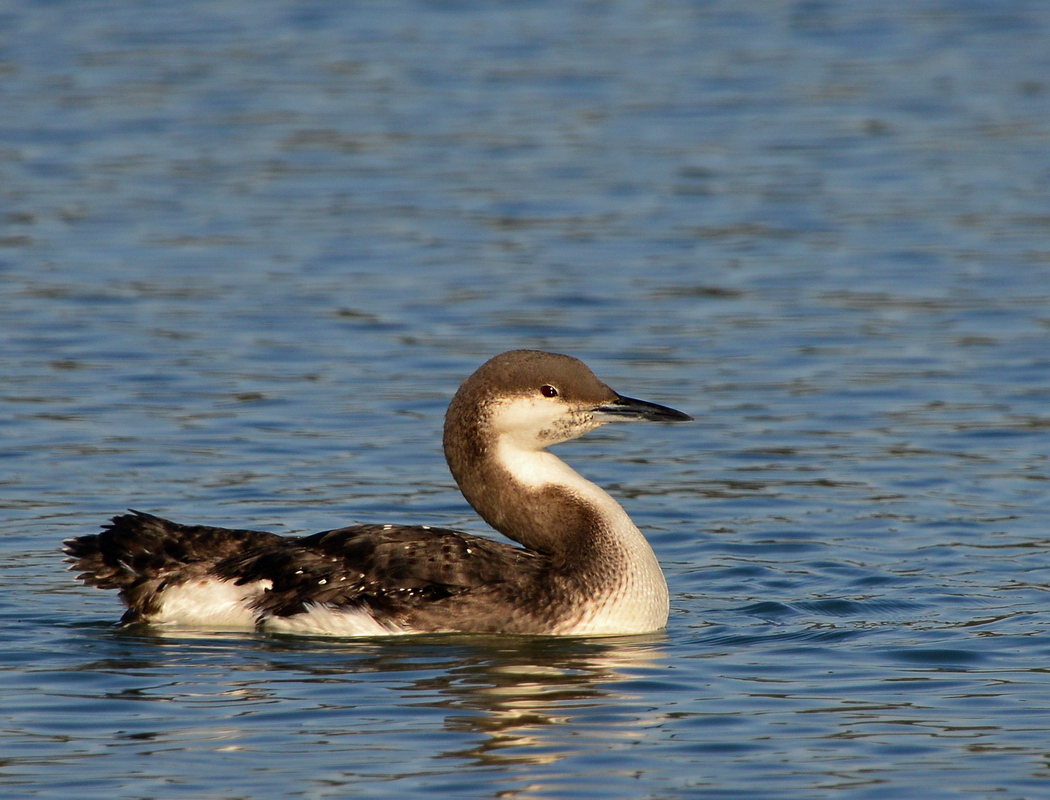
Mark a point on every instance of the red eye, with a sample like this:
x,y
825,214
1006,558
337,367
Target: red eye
x,y
548,391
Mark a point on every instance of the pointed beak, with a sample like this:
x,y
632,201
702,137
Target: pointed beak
x,y
626,409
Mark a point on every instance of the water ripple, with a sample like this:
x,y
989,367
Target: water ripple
x,y
249,249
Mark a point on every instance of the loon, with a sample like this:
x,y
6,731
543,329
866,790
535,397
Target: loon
x,y
583,568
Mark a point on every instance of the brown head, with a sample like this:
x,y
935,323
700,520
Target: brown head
x,y
520,402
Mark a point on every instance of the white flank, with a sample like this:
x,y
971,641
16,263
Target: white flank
x,y
321,620
210,603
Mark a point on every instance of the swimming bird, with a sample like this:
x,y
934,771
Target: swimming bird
x,y
583,567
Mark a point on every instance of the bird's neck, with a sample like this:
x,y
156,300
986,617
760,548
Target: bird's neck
x,y
535,498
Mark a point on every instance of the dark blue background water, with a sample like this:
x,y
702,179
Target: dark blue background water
x,y
249,249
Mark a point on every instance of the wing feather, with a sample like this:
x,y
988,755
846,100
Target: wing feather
x,y
379,566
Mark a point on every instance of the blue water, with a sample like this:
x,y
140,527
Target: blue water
x,y
249,249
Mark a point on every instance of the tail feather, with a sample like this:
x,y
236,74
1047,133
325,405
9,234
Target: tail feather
x,y
140,554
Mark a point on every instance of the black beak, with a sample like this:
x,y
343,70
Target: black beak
x,y
627,408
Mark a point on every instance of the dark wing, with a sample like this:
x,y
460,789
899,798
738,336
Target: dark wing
x,y
140,546
140,554
427,578
388,569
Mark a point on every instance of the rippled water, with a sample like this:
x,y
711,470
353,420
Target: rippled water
x,y
248,250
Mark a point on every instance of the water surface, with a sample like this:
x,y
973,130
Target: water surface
x,y
248,251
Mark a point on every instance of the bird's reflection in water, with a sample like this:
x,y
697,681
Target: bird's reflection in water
x,y
515,692
519,692
522,716
519,697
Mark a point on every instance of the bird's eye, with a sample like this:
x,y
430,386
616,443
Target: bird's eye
x,y
548,391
